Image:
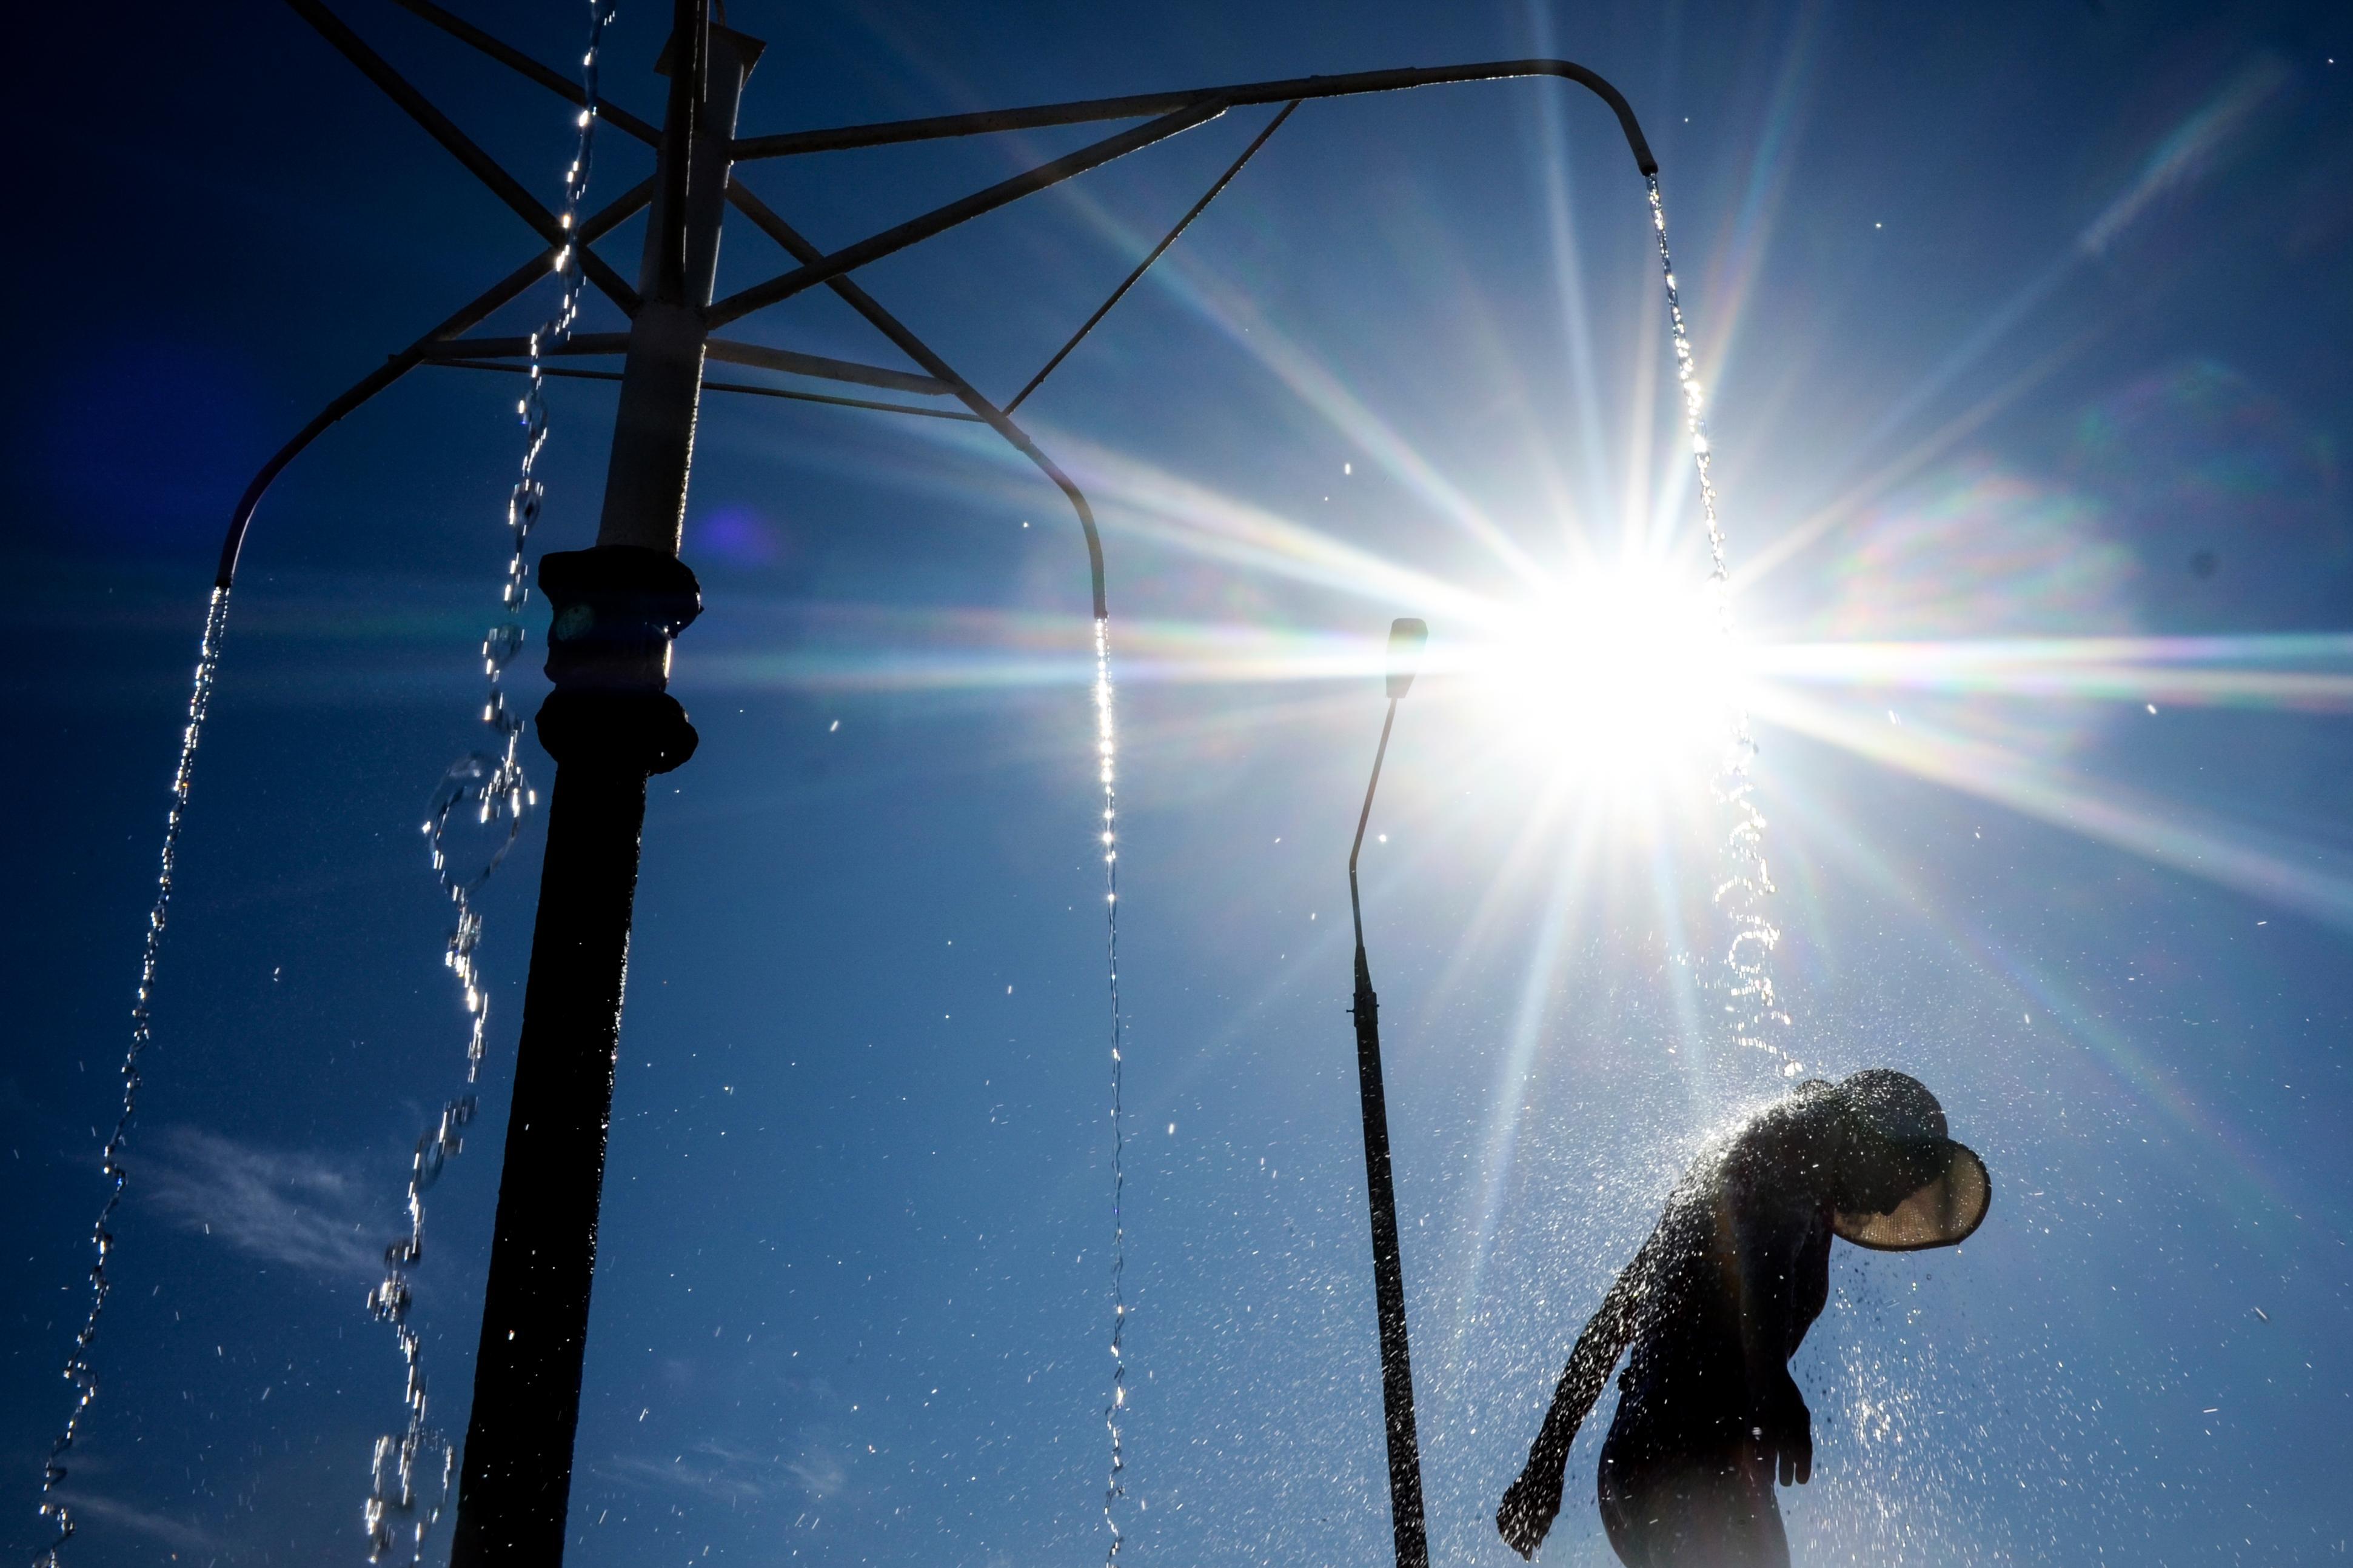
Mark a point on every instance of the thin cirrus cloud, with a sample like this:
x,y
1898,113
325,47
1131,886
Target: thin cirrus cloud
x,y
714,1469
177,1533
293,1208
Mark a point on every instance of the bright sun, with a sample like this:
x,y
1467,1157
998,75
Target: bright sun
x,y
1622,674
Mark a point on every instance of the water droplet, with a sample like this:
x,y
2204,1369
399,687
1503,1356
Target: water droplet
x,y
476,814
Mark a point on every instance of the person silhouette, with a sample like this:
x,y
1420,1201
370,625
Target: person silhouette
x,y
1718,1299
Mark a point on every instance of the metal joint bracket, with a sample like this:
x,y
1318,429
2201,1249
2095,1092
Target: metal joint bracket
x,y
616,609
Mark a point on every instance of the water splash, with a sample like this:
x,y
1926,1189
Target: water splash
x,y
78,1369
1115,1413
477,813
1755,1007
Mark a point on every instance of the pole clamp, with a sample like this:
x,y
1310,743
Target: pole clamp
x,y
616,609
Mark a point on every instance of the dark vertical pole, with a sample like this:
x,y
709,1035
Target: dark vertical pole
x,y
1388,1266
611,723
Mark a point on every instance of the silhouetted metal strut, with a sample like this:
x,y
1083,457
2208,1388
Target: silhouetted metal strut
x,y
1408,1523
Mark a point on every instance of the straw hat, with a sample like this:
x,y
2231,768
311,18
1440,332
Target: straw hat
x,y
1942,1210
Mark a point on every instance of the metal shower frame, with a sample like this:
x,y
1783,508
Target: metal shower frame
x,y
618,608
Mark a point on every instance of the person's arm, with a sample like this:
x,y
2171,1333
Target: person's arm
x,y
1534,1500
1769,1230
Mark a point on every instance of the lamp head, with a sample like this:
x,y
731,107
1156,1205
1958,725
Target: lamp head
x,y
1408,637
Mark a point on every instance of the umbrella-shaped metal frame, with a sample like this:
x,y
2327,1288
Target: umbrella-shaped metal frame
x,y
618,608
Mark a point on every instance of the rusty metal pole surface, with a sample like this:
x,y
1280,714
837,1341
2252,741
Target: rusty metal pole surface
x,y
611,723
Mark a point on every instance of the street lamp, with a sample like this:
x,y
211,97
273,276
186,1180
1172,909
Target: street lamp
x,y
1407,638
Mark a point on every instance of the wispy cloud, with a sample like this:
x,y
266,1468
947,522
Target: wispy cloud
x,y
818,1470
293,1208
178,1533
715,1470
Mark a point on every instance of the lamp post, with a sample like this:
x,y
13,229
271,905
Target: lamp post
x,y
1407,638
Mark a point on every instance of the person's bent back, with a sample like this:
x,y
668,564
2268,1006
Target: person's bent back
x,y
1716,1302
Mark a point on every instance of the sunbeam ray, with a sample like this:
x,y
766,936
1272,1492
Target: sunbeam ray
x,y
2110,813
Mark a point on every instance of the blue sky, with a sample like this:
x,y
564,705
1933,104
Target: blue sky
x,y
2023,335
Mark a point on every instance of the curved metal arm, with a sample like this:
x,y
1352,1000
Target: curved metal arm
x,y
399,364
392,370
792,144
797,247
1357,909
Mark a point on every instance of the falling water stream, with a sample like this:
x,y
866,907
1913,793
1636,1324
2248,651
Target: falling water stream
x,y
78,1369
1755,1008
478,811
1116,1412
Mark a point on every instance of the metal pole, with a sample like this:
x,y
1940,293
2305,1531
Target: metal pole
x,y
1388,1267
611,723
